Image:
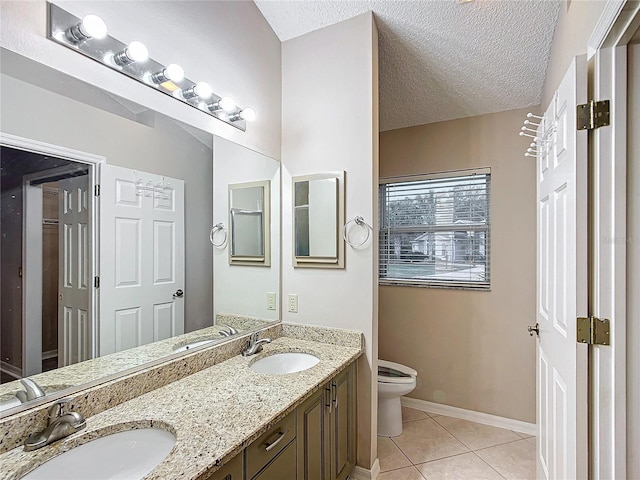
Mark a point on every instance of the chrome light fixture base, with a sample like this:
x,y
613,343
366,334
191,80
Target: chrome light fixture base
x,y
103,50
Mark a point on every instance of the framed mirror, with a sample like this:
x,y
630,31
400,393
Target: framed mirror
x,y
318,213
249,222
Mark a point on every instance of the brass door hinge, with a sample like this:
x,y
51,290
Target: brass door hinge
x,y
593,115
592,330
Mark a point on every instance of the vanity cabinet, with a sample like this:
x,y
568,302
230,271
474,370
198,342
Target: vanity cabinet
x,y
327,430
315,442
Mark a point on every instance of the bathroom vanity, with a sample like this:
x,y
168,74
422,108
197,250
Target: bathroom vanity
x,y
229,421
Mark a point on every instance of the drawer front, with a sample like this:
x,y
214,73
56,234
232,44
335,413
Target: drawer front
x,y
266,447
282,468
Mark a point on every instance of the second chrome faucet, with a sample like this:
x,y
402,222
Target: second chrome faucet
x,y
61,424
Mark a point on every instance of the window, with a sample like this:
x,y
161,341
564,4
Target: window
x,y
435,230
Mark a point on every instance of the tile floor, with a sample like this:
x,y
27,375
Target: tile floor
x,y
435,447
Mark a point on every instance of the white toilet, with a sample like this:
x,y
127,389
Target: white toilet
x,y
394,380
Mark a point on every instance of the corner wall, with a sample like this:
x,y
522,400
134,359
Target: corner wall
x,y
471,348
330,123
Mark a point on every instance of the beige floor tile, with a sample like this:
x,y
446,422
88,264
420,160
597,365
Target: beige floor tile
x,y
425,440
466,466
411,414
523,435
390,456
475,435
515,460
531,440
409,473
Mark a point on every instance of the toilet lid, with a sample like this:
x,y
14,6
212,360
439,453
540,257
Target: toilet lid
x,y
388,374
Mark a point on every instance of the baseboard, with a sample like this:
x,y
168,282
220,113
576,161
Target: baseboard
x,y
359,473
11,370
478,417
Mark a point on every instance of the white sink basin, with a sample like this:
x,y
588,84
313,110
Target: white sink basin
x,y
281,363
126,455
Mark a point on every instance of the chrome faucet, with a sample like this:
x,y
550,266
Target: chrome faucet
x,y
61,424
254,345
31,390
232,331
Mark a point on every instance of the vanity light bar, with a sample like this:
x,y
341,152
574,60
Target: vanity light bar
x,y
89,37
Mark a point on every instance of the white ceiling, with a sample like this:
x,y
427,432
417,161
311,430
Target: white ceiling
x,y
441,59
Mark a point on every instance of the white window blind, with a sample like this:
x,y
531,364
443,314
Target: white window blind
x,y
435,230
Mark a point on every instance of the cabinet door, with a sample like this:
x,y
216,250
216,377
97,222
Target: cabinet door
x,y
313,436
283,467
343,424
229,471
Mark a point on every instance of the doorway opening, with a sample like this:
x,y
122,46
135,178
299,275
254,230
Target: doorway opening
x,y
46,207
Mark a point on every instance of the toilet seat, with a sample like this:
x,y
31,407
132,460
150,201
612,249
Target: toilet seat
x,y
391,372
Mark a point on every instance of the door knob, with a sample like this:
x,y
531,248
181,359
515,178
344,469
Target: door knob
x,y
179,293
532,329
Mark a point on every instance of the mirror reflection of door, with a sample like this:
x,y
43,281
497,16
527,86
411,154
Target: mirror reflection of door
x,y
46,226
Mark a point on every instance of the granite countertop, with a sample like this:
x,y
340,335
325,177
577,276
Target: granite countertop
x,y
213,413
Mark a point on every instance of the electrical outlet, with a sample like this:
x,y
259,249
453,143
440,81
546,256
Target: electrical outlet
x,y
293,303
271,300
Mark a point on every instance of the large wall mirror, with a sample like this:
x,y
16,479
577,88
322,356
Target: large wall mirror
x,y
318,213
88,274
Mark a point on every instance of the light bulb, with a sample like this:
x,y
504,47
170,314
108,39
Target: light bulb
x,y
135,52
170,73
174,72
248,114
202,89
227,104
92,26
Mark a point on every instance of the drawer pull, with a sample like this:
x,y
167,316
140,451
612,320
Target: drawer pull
x,y
270,446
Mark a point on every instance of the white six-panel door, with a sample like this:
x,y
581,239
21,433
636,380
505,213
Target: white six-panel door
x,y
562,284
74,270
141,259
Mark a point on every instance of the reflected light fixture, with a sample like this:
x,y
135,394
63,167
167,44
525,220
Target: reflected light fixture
x,y
91,26
200,90
88,36
135,52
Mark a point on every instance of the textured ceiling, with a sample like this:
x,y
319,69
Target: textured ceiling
x,y
440,59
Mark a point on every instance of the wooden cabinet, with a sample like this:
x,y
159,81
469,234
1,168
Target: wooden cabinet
x,y
315,442
327,430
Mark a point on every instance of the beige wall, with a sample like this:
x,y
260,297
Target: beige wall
x,y
574,27
329,118
471,349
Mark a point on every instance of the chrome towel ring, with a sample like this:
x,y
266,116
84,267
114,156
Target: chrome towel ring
x,y
358,220
218,227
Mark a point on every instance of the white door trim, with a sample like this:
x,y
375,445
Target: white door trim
x,y
35,146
